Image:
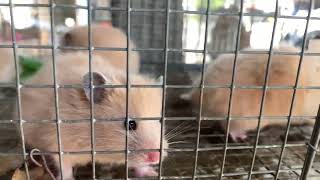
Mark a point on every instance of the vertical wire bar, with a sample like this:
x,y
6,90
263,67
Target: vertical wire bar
x,y
90,48
194,173
164,85
294,90
312,148
38,17
128,86
56,86
232,87
18,87
266,78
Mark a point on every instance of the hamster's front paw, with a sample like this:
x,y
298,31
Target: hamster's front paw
x,y
238,136
145,171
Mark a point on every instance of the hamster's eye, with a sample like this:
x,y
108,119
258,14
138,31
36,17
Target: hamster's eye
x,y
132,124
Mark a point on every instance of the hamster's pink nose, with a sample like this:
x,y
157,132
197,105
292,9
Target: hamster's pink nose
x,y
153,157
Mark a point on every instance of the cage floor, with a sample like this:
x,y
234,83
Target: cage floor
x,y
180,161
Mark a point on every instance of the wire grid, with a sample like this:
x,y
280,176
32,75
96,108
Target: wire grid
x,y
18,87
296,83
164,86
56,97
197,149
128,85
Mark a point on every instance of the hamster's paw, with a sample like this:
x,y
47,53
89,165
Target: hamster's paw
x,y
238,136
145,171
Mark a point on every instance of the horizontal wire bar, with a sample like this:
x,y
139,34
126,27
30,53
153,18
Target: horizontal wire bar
x,y
99,48
159,10
231,174
232,118
79,86
170,150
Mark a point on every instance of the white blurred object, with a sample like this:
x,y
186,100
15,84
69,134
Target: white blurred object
x,y
82,15
262,33
69,22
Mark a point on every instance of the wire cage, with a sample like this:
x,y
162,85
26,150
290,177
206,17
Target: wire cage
x,y
176,39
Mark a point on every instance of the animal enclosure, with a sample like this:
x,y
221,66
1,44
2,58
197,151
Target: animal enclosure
x,y
174,43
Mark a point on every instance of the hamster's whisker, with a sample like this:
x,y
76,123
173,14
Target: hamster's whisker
x,y
181,131
174,129
177,142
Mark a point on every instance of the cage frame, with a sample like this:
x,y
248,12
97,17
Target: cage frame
x,y
312,145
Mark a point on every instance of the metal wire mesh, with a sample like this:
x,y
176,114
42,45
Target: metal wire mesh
x,y
225,153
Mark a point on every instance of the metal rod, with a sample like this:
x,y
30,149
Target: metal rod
x,y
18,88
164,85
56,97
128,32
266,78
232,89
158,10
294,90
194,173
232,118
92,116
312,148
208,149
62,86
98,48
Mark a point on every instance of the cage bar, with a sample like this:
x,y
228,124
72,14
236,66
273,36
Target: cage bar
x,y
199,118
160,10
18,88
23,46
66,86
128,85
312,148
164,86
194,173
232,89
265,85
56,86
92,117
295,90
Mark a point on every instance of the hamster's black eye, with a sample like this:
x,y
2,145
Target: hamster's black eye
x,y
132,124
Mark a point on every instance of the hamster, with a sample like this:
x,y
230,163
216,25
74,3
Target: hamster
x,y
250,71
105,36
7,67
109,105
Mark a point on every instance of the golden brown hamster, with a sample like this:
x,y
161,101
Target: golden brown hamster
x,y
250,71
104,36
109,105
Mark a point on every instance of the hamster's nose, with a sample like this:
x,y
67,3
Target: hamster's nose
x,y
153,157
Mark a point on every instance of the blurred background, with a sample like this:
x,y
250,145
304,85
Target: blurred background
x,y
186,26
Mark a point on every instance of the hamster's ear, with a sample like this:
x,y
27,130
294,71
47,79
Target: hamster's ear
x,y
98,92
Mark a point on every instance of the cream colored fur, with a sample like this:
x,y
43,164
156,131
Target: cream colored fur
x,y
38,104
107,37
7,68
250,71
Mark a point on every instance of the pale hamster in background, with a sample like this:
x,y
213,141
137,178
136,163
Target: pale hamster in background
x,y
250,71
104,36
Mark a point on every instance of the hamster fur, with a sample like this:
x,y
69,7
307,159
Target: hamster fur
x,y
104,36
38,104
250,71
7,68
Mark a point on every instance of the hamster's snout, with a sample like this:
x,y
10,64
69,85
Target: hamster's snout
x,y
153,157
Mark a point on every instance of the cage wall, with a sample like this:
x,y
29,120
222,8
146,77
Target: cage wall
x,y
179,43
